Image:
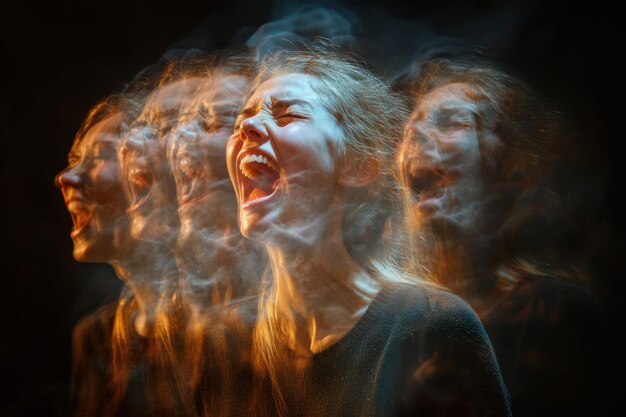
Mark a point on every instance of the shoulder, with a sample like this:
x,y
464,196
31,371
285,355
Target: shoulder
x,y
433,310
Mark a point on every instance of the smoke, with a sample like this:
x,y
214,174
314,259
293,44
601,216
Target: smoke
x,y
203,305
301,27
217,263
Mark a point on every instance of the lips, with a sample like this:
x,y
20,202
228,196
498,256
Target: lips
x,y
259,177
80,216
136,206
189,184
427,182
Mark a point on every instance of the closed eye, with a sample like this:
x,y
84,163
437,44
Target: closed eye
x,y
454,119
287,118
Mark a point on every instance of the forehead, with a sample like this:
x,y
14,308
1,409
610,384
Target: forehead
x,y
172,96
226,86
107,130
450,95
286,87
223,90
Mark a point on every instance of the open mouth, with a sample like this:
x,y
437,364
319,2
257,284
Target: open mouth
x,y
80,217
138,202
427,183
188,171
186,189
259,177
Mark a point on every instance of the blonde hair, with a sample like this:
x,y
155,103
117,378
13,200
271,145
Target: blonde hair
x,y
520,169
175,348
371,118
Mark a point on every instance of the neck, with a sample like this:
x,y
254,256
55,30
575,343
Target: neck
x,y
150,272
219,264
320,293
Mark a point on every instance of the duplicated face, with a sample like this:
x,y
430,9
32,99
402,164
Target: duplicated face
x,y
283,159
94,194
197,148
139,155
442,155
198,162
145,167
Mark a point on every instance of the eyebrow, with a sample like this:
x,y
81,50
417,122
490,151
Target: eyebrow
x,y
104,141
275,102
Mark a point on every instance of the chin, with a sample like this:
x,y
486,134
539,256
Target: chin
x,y
88,255
252,228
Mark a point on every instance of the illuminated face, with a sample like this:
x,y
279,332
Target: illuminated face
x,y
198,162
283,160
197,148
146,170
206,201
139,156
442,156
94,195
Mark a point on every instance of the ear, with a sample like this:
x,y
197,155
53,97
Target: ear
x,y
357,173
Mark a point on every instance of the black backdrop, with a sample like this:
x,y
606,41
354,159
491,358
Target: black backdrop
x,y
58,61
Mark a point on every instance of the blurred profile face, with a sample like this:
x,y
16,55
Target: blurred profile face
x,y
145,168
94,194
283,159
442,156
199,164
141,170
206,199
197,149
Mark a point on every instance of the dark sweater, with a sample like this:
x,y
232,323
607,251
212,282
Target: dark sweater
x,y
417,351
92,373
556,349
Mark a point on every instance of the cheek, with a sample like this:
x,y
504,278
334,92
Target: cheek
x,y
215,158
460,142
107,187
306,150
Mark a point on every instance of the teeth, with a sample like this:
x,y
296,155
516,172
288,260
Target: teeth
x,y
76,207
262,159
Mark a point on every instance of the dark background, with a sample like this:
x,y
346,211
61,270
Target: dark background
x,y
58,61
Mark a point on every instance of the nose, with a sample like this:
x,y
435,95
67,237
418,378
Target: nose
x,y
254,130
415,133
69,177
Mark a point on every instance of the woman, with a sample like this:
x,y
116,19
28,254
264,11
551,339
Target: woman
x,y
339,331
108,374
217,263
478,162
122,353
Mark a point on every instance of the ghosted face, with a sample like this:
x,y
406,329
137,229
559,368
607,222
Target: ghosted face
x,y
146,170
442,157
283,159
197,148
141,165
198,162
94,194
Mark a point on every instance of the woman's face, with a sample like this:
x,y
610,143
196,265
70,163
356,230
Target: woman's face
x,y
94,194
145,167
441,157
206,200
141,163
198,162
196,153
284,161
